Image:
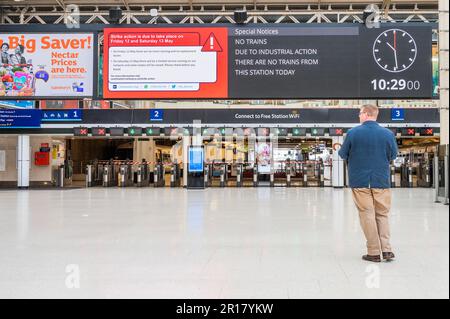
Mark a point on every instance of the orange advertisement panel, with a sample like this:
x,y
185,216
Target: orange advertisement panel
x,y
165,63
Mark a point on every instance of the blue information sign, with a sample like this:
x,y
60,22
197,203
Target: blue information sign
x,y
195,159
62,115
18,104
16,118
156,115
397,114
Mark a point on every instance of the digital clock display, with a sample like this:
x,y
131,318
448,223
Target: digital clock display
x,y
398,65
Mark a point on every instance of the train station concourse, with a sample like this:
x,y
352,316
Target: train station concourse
x,y
224,150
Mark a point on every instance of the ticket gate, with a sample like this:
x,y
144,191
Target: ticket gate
x,y
90,177
142,175
63,174
109,175
218,174
392,176
425,173
208,175
58,176
290,170
406,175
159,175
125,177
239,174
175,175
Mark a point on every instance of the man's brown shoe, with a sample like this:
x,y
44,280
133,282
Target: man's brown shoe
x,y
388,256
373,258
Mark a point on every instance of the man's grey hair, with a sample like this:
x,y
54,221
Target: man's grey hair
x,y
370,109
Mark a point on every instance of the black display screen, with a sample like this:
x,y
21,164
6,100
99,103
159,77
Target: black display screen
x,y
330,62
116,131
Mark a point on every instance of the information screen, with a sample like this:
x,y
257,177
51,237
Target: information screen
x,y
195,159
16,118
269,61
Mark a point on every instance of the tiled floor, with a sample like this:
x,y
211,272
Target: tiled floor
x,y
217,243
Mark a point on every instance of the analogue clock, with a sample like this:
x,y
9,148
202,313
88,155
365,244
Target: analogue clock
x,y
394,50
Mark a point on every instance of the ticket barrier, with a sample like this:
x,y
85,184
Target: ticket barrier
x,y
392,176
109,176
223,175
425,174
255,175
406,175
62,174
90,178
219,174
239,174
313,174
175,175
125,178
159,175
208,175
321,174
142,175
290,170
58,176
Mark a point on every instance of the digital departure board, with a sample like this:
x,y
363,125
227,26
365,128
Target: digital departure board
x,y
269,61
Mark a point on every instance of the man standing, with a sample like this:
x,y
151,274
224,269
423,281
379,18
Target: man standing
x,y
368,150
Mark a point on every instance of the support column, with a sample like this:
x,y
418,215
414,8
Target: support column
x,y
186,143
337,169
23,161
443,70
144,149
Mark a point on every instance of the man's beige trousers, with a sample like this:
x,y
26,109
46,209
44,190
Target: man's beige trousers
x,y
373,205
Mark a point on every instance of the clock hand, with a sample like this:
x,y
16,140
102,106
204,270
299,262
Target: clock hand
x,y
395,53
396,62
390,46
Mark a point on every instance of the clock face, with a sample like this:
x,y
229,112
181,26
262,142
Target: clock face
x,y
394,50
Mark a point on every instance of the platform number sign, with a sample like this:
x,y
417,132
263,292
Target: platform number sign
x,y
397,114
156,115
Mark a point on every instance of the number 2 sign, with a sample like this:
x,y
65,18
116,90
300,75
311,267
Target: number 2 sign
x,y
156,115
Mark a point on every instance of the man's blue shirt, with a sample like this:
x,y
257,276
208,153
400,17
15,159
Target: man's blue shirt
x,y
368,150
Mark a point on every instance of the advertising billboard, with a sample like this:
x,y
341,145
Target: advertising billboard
x,y
40,65
268,62
264,157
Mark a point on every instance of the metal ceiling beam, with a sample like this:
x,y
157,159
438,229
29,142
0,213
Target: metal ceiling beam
x,y
61,4
332,14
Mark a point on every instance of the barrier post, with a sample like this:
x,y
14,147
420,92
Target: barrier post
x,y
238,175
437,178
410,176
305,175
288,175
272,178
392,176
88,175
222,175
321,175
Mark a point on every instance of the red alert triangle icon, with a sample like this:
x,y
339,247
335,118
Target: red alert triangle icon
x,y
211,44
